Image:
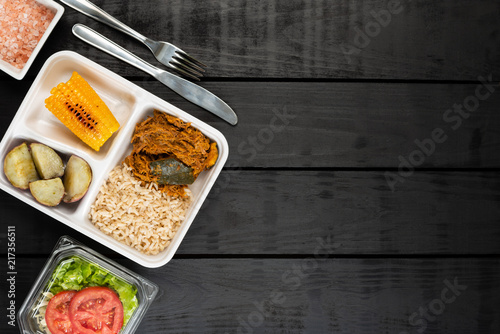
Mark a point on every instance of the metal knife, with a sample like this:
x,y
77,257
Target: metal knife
x,y
190,91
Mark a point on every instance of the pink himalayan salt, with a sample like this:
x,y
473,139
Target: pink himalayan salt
x,y
22,25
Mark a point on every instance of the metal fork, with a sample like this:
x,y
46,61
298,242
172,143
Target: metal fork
x,y
166,53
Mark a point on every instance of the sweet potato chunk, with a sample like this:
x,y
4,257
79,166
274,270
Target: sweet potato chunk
x,y
77,178
48,192
19,167
47,162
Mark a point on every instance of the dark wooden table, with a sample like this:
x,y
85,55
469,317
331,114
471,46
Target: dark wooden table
x,y
362,190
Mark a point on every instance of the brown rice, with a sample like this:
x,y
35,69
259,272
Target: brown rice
x,y
141,217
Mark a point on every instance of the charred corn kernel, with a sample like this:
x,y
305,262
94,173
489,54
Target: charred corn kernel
x,y
77,105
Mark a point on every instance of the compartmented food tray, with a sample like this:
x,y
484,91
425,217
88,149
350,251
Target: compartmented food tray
x,y
130,104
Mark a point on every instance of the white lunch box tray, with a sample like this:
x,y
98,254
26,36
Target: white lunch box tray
x,y
130,104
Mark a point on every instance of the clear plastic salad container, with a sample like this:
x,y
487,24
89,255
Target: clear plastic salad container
x,y
69,256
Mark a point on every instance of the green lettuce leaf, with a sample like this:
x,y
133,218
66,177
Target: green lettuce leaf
x,y
76,273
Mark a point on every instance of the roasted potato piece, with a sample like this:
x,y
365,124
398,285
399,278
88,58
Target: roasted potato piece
x,y
19,167
77,178
48,192
47,162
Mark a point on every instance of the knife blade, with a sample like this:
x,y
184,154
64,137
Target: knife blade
x,y
187,89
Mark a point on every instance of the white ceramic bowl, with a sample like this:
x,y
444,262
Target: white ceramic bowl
x,y
19,73
129,104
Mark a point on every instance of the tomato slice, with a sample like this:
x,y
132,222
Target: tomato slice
x,y
96,310
57,313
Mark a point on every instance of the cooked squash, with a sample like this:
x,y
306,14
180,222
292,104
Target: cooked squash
x,y
171,171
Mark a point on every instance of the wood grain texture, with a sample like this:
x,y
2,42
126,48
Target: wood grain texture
x,y
352,124
314,295
285,212
303,209
425,40
340,125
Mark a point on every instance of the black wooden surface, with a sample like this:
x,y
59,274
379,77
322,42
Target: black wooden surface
x,y
302,233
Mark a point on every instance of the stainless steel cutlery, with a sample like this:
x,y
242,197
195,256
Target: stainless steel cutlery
x,y
187,89
166,53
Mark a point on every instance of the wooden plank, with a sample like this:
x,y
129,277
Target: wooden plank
x,y
353,124
308,39
313,295
361,125
285,212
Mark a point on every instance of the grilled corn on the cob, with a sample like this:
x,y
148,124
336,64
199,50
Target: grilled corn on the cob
x,y
77,105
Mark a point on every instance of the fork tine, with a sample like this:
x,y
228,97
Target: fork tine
x,y
179,57
181,65
182,72
189,58
185,67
